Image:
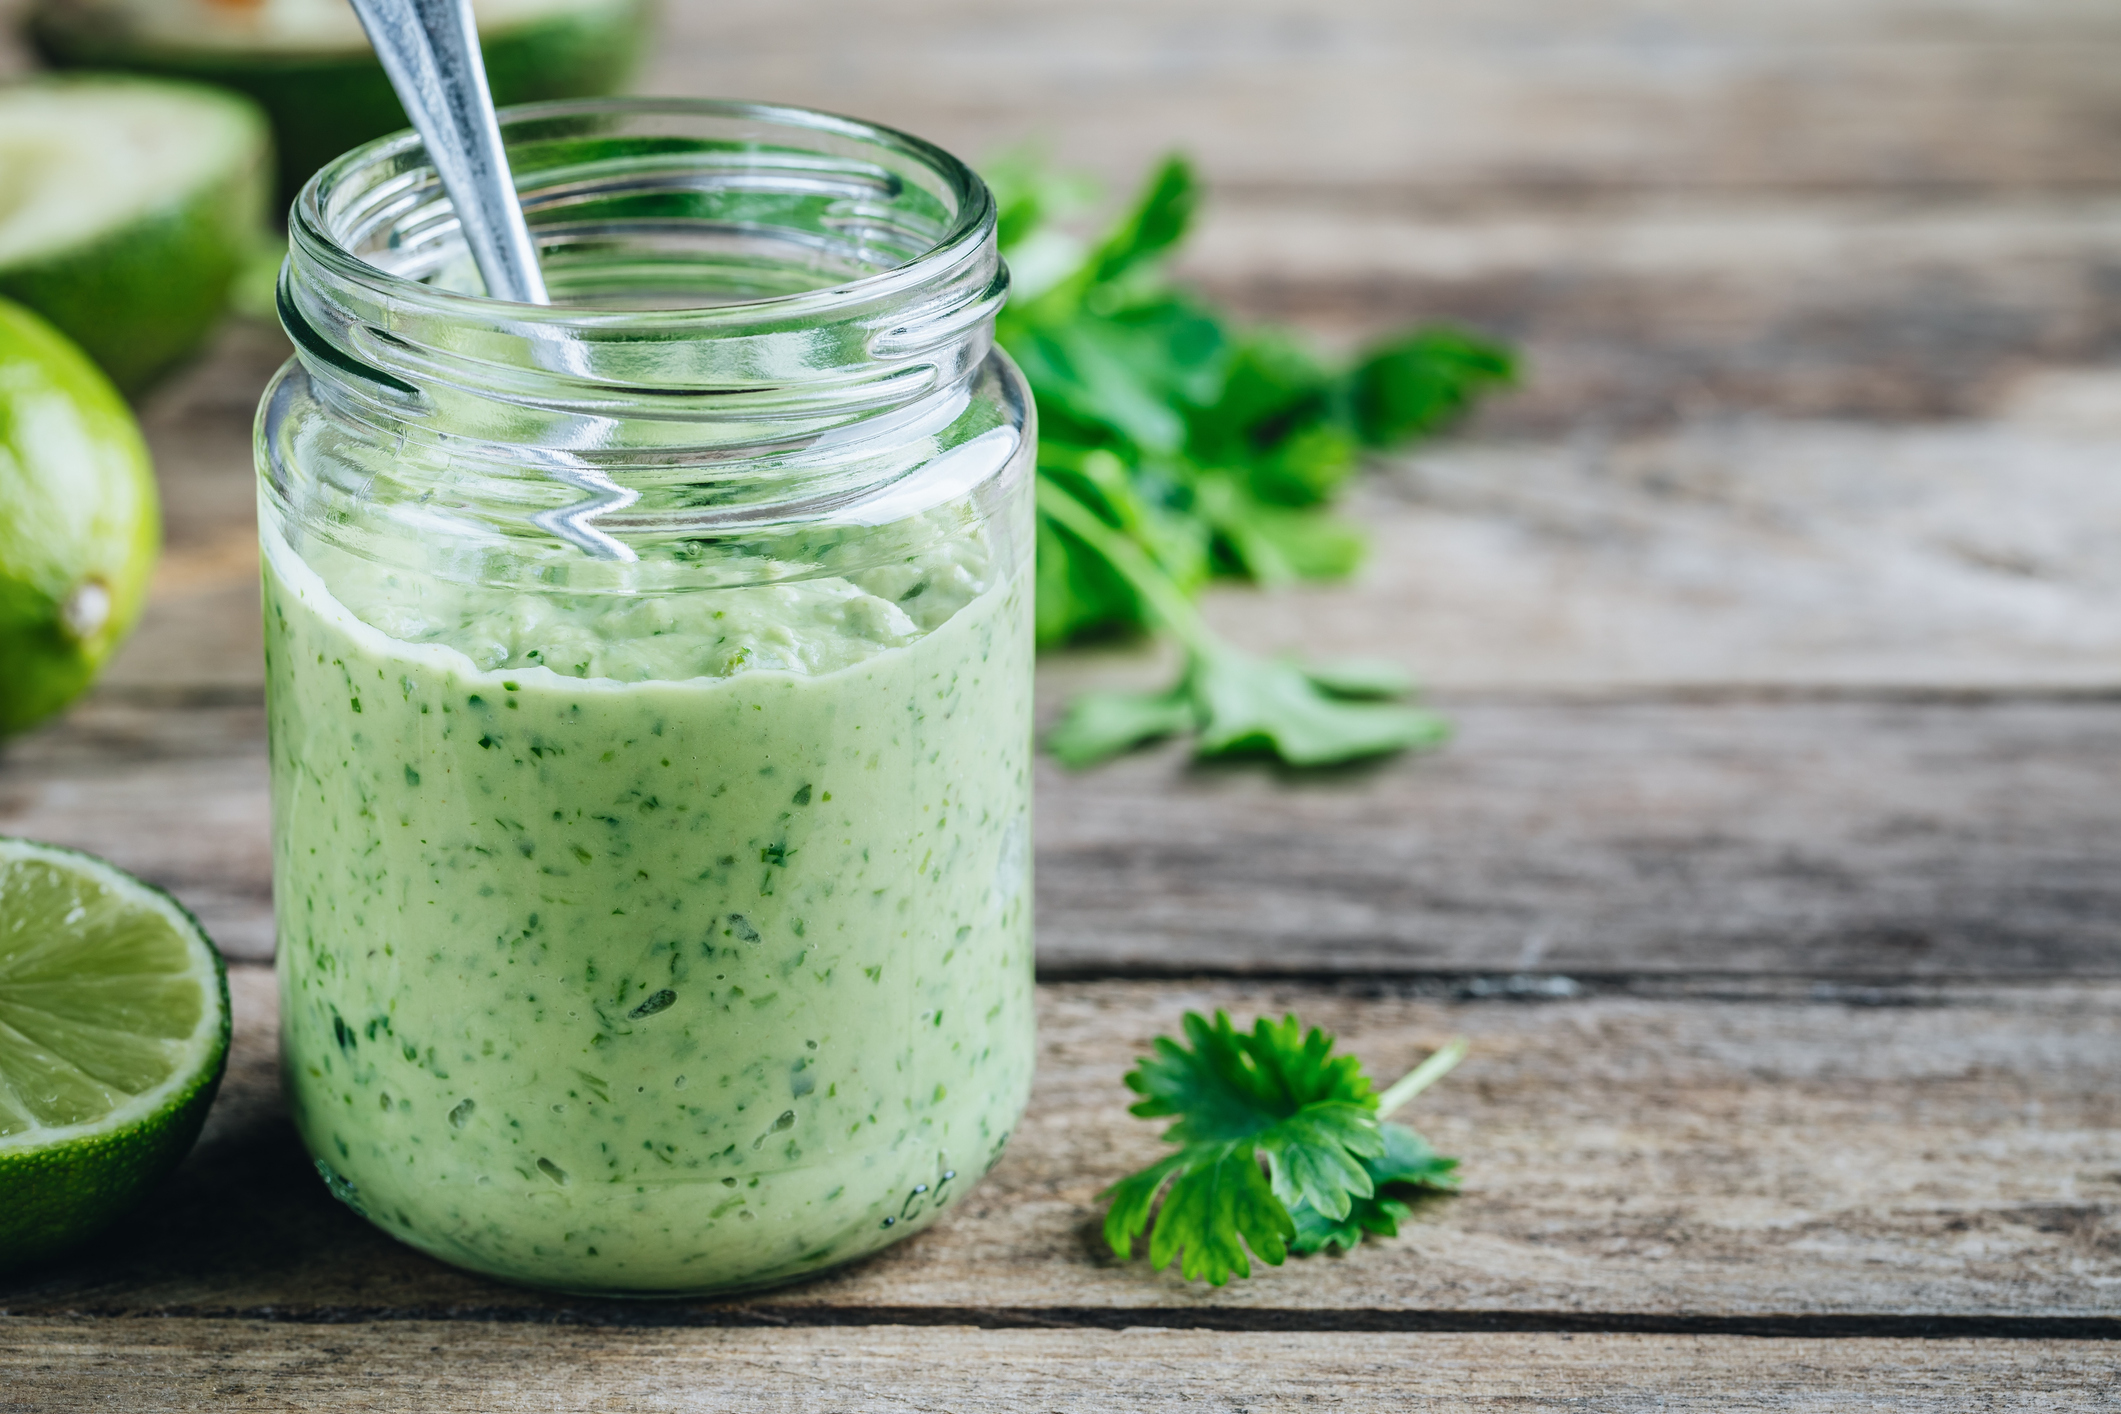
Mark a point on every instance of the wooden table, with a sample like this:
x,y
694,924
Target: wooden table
x,y
1772,871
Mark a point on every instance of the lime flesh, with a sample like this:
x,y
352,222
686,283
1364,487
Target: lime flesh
x,y
114,1029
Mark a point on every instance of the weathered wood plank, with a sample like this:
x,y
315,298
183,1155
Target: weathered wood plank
x,y
1823,838
176,795
1673,209
500,1369
1639,312
1762,552
1844,837
1923,1152
1385,95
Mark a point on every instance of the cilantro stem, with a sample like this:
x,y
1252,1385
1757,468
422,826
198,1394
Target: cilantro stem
x,y
1165,599
1422,1076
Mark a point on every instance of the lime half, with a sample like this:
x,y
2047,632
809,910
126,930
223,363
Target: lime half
x,y
127,206
113,1032
308,64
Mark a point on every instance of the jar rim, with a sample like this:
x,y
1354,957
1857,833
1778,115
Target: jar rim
x,y
803,271
875,253
311,226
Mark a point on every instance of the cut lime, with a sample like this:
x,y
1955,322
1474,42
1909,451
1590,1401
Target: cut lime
x,y
309,65
78,520
126,207
113,1032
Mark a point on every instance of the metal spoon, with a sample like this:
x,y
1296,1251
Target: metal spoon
x,y
430,49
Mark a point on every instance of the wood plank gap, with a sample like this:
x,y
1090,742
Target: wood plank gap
x,y
210,696
1657,1158
1927,992
180,696
1793,988
637,1315
1779,694
1559,193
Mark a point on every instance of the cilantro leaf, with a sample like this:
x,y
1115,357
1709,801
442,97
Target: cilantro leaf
x,y
1093,370
1407,1161
1104,724
1234,703
1237,703
1416,383
1077,588
1157,223
1217,1206
1274,543
1361,678
1282,1147
1191,448
1249,704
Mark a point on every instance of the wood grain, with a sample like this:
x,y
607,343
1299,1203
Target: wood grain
x,y
1785,1159
1882,208
501,1369
1824,838
1762,553
1643,311
1773,696
1886,209
1754,552
1770,872
1821,838
1383,96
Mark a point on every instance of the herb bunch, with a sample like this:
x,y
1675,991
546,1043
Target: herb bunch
x,y
1283,1146
1174,447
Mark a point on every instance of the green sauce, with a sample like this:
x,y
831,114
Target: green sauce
x,y
653,944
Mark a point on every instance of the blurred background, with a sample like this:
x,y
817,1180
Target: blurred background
x,y
1880,208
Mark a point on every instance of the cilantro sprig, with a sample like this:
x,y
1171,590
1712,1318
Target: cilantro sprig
x,y
1231,700
1283,1146
1175,446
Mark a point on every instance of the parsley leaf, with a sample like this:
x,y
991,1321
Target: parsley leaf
x,y
1207,450
1282,1146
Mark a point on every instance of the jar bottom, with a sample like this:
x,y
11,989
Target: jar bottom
x,y
742,1286
673,1241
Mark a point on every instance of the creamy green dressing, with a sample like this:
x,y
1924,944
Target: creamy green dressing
x,y
653,943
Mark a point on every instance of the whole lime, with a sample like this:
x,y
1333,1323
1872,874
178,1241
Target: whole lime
x,y
79,524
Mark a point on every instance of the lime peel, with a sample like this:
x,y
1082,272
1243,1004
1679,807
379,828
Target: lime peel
x,y
79,520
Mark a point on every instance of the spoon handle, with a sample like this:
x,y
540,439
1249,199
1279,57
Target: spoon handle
x,y
430,49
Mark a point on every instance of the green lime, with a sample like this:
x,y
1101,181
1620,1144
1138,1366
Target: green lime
x,y
113,1033
308,64
126,207
78,520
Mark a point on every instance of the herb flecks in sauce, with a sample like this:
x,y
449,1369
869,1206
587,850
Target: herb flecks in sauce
x,y
688,937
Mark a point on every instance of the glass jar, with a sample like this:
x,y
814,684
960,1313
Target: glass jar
x,y
649,683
